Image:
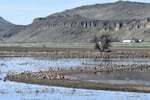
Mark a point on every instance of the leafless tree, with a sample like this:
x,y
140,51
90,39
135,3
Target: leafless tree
x,y
102,43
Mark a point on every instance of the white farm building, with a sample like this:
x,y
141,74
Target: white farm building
x,y
128,41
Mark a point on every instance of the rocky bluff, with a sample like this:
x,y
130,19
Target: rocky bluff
x,y
77,21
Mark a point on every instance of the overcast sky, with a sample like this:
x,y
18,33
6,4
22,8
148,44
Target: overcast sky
x,y
24,11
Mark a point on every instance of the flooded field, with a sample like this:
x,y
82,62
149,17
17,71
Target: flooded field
x,y
21,91
120,61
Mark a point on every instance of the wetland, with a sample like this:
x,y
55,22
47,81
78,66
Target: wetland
x,y
40,74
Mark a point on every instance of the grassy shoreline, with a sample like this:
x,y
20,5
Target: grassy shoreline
x,y
87,85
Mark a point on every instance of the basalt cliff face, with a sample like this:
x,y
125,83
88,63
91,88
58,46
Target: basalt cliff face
x,y
122,20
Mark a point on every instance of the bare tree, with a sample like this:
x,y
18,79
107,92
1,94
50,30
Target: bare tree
x,y
102,43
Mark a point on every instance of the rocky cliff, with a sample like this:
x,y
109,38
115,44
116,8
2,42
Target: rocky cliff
x,y
77,21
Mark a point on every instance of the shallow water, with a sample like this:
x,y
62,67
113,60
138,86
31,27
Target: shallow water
x,y
21,64
117,77
22,91
123,61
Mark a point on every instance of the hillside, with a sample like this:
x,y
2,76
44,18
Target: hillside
x,y
121,19
113,11
8,29
3,22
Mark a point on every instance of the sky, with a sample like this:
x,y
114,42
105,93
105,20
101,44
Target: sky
x,y
23,12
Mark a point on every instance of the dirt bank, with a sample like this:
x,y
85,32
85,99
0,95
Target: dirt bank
x,y
75,77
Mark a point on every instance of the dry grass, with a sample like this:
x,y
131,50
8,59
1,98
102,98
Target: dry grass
x,y
72,52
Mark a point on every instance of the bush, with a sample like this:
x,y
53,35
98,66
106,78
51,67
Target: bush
x,y
102,43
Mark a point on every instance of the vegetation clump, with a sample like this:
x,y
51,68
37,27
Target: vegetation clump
x,y
102,43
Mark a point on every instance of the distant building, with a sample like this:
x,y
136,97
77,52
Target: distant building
x,y
132,41
128,41
140,40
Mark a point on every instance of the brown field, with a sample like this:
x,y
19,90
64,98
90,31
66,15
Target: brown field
x,y
74,52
